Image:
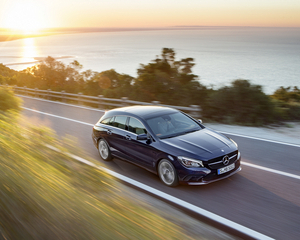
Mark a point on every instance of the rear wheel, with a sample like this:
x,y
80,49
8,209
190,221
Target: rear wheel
x,y
167,173
103,150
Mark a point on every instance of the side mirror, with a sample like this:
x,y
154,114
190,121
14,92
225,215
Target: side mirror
x,y
143,136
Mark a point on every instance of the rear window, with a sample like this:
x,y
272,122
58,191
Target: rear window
x,y
106,121
119,122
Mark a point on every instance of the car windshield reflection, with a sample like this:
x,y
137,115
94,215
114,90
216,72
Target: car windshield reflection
x,y
172,125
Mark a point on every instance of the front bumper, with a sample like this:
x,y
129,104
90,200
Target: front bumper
x,y
205,177
203,182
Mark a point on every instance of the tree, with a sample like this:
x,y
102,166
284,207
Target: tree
x,y
55,75
7,75
108,83
115,85
168,81
241,102
287,94
6,71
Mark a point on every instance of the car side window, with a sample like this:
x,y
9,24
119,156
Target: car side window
x,y
119,122
106,121
136,126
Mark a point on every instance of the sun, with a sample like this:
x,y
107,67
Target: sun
x,y
24,17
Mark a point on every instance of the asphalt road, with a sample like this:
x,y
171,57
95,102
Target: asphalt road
x,y
266,202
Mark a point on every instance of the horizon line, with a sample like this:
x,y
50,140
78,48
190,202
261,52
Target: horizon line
x,y
149,28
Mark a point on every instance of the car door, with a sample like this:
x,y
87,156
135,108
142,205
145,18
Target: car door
x,y
116,136
104,130
140,152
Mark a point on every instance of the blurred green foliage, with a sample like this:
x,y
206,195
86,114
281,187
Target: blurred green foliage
x,y
288,102
169,81
287,94
241,102
46,194
8,101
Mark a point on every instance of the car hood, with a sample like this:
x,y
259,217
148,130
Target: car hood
x,y
204,143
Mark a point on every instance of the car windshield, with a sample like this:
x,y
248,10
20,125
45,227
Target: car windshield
x,y
172,125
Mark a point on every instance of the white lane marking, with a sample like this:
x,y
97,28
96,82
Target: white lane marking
x,y
271,170
61,103
52,115
261,139
245,163
177,201
98,110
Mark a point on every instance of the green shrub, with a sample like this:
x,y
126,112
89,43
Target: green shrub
x,y
45,194
8,101
287,94
288,110
241,103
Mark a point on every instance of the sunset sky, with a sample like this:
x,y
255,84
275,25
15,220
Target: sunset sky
x,y
32,15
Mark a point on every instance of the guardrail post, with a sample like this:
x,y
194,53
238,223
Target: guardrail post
x,y
48,94
80,98
196,111
124,101
35,93
63,97
156,102
100,101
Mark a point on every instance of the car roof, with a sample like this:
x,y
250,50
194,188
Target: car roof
x,y
143,111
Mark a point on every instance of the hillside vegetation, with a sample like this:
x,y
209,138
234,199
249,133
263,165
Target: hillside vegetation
x,y
8,101
46,194
169,81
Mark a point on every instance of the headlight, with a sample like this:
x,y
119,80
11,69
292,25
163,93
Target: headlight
x,y
190,163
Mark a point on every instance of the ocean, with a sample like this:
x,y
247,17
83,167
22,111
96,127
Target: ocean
x,y
266,56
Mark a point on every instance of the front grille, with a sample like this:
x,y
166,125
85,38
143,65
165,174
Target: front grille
x,y
214,175
217,163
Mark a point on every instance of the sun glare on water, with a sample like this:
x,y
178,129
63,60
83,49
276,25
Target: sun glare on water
x,y
29,50
24,17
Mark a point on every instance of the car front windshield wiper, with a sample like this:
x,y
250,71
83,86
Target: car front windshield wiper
x,y
171,136
180,133
190,131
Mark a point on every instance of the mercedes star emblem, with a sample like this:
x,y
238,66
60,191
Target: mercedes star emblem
x,y
225,160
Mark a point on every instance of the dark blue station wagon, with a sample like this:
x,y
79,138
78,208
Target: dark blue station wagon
x,y
167,142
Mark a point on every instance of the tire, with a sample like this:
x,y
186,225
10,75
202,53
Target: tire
x,y
167,173
103,150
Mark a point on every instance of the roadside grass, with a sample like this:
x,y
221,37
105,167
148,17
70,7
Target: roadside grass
x,y
8,101
45,194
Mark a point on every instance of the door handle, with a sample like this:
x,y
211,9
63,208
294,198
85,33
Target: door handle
x,y
128,137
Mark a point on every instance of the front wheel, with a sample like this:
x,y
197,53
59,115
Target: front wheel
x,y
103,150
167,173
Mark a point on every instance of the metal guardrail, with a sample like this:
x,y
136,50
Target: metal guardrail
x,y
97,101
